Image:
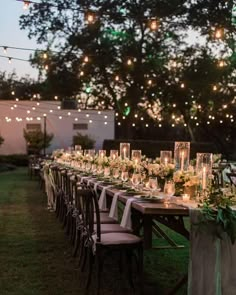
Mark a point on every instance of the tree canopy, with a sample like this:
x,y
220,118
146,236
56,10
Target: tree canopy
x,y
165,62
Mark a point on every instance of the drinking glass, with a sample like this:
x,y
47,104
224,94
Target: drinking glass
x,y
136,179
106,171
124,176
153,184
116,173
169,190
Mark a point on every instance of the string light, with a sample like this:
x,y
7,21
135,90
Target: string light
x,y
219,33
214,88
129,62
5,49
90,17
86,59
153,24
221,63
182,85
117,78
26,5
9,60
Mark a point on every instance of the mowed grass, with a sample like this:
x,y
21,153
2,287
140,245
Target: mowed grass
x,y
35,254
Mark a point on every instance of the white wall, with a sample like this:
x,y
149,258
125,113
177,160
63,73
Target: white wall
x,y
12,130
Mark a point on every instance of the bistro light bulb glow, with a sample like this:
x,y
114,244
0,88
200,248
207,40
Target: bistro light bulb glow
x,y
221,63
58,107
90,18
26,5
117,78
81,73
69,113
45,56
56,97
9,60
129,62
13,93
76,119
86,59
46,67
150,82
219,33
214,88
153,24
99,113
87,115
105,123
182,85
60,117
5,49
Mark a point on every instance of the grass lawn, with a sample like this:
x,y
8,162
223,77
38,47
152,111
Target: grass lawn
x,y
35,255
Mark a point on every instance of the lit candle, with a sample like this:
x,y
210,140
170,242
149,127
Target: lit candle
x,y
102,154
136,162
124,150
204,178
166,161
114,156
182,161
185,197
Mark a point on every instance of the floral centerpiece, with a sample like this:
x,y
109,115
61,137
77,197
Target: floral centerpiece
x,y
186,182
216,209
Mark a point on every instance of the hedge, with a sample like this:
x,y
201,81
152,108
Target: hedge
x,y
16,159
152,148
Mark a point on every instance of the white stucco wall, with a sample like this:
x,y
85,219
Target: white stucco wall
x,y
12,130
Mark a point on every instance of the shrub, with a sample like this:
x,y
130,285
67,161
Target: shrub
x,y
35,141
84,140
15,159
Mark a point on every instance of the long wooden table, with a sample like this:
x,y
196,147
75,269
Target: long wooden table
x,y
146,214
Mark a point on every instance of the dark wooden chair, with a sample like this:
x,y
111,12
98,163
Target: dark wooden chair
x,y
97,244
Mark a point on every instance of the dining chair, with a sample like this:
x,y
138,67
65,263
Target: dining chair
x,y
97,244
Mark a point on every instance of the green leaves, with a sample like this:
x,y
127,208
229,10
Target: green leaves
x,y
216,210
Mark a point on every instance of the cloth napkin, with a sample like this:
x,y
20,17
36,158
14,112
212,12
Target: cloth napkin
x,y
126,218
96,188
83,178
102,202
114,207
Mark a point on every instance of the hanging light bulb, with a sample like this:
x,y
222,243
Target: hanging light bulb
x,y
45,56
214,88
129,62
86,59
117,78
46,67
26,5
221,63
219,33
9,60
5,50
81,73
149,82
90,17
182,85
153,24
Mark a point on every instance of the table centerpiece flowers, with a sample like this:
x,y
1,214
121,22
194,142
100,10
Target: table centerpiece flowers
x,y
216,210
186,182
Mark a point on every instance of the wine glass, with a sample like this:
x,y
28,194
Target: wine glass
x,y
153,184
124,176
116,173
136,179
169,190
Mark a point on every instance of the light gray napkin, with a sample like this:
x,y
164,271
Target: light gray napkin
x,y
102,202
126,218
114,206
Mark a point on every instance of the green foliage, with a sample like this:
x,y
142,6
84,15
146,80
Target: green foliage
x,y
84,140
36,142
216,210
121,32
15,159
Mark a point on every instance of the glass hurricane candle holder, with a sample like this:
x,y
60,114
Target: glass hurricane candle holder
x,y
91,153
114,154
165,157
204,168
78,147
181,155
124,150
136,156
102,153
